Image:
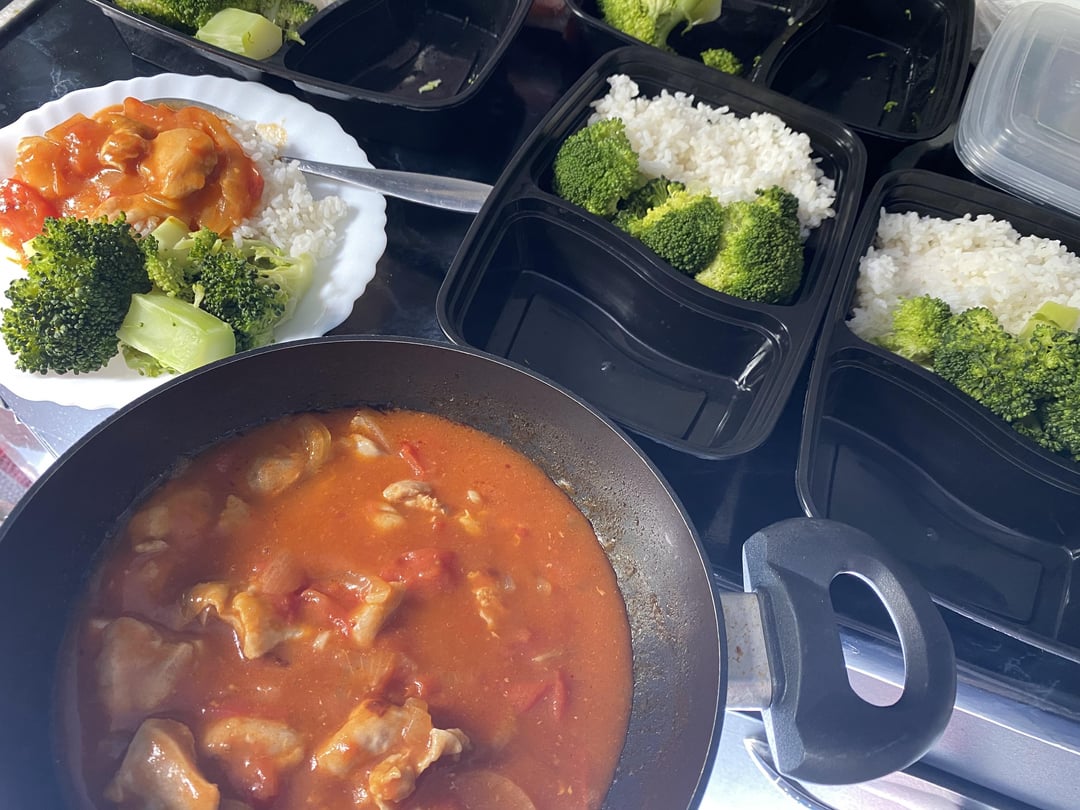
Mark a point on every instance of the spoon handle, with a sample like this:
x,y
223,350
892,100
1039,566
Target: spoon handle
x,y
451,193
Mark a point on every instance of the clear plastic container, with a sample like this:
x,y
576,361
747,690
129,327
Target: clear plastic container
x,y
1019,128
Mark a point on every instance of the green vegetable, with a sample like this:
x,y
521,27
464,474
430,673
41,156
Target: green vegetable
x,y
253,287
889,106
79,280
652,21
723,60
286,14
1060,423
1060,315
242,32
652,193
918,324
685,230
761,253
1031,381
166,264
427,87
177,335
988,364
191,15
596,167
179,15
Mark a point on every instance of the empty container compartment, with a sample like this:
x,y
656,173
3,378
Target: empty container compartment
x,y
892,69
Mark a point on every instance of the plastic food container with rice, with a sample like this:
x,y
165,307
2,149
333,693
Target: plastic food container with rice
x,y
982,513
573,296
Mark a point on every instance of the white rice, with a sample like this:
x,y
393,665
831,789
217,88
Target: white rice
x,y
966,262
288,215
712,149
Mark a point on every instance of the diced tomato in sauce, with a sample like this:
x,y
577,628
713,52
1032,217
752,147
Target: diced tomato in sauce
x,y
23,211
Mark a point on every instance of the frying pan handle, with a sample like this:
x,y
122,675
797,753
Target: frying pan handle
x,y
820,730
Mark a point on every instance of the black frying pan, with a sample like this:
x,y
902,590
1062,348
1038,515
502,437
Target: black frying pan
x,y
789,660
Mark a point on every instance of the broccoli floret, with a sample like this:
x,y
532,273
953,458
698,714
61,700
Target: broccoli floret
x,y
685,230
1054,363
780,200
917,326
988,364
761,252
652,21
723,60
191,15
596,167
285,14
653,193
79,280
1060,420
234,289
168,270
184,15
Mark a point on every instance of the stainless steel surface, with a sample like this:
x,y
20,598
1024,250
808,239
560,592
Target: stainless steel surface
x,y
998,739
750,682
898,791
998,753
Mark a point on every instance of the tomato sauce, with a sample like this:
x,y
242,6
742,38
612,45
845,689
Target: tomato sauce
x,y
355,609
148,161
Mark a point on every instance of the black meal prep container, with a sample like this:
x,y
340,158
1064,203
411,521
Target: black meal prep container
x,y
892,70
365,61
567,294
986,518
753,30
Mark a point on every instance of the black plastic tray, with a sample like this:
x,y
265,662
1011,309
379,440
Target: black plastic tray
x,y
545,284
754,30
372,55
892,69
988,519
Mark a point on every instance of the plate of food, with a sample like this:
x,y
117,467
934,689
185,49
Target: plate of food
x,y
228,236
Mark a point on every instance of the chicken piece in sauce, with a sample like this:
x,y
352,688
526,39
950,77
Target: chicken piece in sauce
x,y
179,162
392,744
379,599
159,771
254,617
147,161
254,752
138,669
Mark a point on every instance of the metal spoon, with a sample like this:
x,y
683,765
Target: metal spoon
x,y
451,193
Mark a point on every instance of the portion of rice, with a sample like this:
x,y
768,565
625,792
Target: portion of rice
x,y
288,216
966,262
712,149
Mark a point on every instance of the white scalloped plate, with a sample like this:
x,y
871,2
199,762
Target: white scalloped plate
x,y
339,279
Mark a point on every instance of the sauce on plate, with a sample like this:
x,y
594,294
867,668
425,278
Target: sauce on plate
x,y
148,161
